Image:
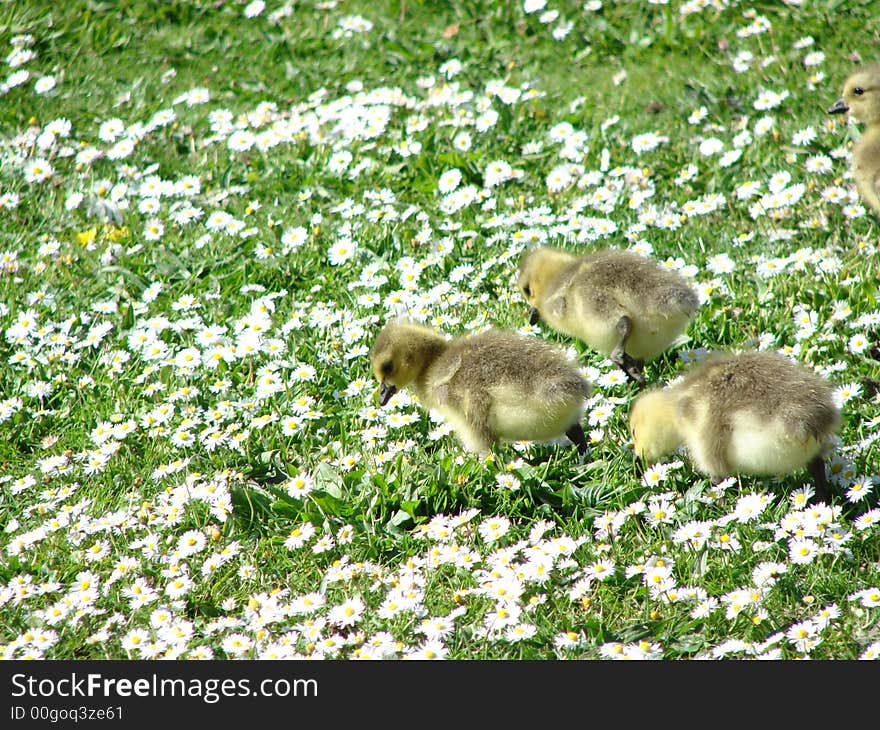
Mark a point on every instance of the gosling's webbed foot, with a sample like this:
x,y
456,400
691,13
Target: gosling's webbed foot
x,y
822,493
634,369
640,468
576,436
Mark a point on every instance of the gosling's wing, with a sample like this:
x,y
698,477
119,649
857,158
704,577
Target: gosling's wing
x,y
587,293
555,305
441,377
608,285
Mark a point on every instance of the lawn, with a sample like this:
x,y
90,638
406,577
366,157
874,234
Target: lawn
x,y
211,208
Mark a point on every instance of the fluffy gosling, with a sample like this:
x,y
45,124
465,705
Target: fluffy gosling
x,y
491,386
753,413
861,98
617,302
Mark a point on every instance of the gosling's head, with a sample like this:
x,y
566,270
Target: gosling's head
x,y
400,353
861,95
537,270
653,425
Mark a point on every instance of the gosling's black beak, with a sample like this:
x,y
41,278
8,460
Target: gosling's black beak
x,y
838,107
386,393
534,316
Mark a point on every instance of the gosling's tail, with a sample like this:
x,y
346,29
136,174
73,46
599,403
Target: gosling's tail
x,y
681,298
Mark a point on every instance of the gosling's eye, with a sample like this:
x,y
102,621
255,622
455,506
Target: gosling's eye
x,y
387,367
527,290
858,91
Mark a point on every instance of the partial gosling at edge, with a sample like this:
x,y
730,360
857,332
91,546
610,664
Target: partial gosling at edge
x,y
861,98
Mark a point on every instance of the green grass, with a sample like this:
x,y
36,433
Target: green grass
x,y
390,499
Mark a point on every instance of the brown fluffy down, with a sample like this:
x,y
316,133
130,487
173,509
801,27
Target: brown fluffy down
x,y
586,296
755,412
490,386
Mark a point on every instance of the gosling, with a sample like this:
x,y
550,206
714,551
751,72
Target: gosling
x,y
753,413
861,98
617,302
491,386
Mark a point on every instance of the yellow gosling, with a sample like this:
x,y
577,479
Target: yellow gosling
x,y
492,386
861,98
754,413
617,302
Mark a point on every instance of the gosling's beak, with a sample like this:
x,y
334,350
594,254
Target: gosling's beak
x,y
534,316
386,393
838,107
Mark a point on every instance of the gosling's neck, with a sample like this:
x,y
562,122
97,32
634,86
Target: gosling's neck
x,y
870,138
